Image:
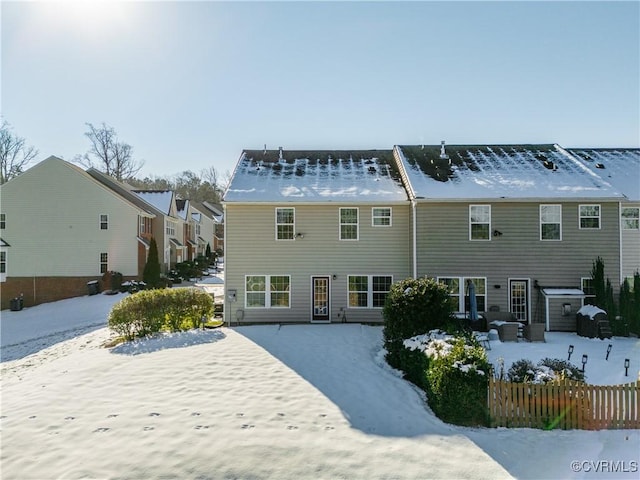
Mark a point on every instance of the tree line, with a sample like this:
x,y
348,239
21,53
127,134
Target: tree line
x,y
108,154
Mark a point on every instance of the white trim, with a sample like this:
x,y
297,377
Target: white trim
x,y
521,279
357,224
267,291
293,233
488,239
549,223
580,216
328,277
373,217
370,290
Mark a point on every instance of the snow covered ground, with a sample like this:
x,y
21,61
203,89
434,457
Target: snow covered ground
x,y
297,401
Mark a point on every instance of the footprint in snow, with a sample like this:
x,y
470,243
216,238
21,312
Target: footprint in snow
x,y
69,418
113,415
148,428
101,429
292,427
195,414
247,426
154,414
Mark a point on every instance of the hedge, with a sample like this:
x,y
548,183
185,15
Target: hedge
x,y
151,311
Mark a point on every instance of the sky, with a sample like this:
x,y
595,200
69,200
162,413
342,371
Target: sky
x,y
189,85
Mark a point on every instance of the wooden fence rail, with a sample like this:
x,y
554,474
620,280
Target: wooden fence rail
x,y
566,405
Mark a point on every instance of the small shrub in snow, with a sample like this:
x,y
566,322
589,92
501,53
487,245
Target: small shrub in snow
x,y
455,373
413,307
547,370
151,311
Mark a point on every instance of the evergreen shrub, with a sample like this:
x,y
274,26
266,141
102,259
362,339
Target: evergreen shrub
x,y
151,311
413,307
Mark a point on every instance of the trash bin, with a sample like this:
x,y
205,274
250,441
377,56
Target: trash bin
x,y
93,287
15,304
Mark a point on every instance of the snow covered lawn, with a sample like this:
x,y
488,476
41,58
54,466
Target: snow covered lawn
x,y
299,401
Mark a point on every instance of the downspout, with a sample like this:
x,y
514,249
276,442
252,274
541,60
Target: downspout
x,y
414,238
226,314
620,242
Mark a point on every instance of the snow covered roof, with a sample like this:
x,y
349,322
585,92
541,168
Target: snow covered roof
x,y
562,292
618,166
500,171
316,176
160,199
182,207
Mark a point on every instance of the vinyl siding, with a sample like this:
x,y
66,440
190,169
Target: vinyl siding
x,y
53,224
444,248
630,248
251,249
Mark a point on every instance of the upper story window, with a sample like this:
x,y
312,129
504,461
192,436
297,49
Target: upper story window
x,y
630,217
479,222
589,216
3,221
550,222
368,291
267,291
285,223
104,221
381,217
197,229
104,262
170,228
348,224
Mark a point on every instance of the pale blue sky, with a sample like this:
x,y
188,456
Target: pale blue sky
x,y
190,84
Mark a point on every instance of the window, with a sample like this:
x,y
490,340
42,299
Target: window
x,y
171,228
368,291
348,224
104,222
197,229
589,216
3,262
285,223
586,283
381,217
479,222
550,222
267,291
630,218
458,291
104,257
3,221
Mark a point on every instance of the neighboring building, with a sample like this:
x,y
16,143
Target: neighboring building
x,y
217,214
60,229
620,167
173,249
205,224
314,236
524,223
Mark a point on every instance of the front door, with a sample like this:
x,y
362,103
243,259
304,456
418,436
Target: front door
x,y
519,299
320,299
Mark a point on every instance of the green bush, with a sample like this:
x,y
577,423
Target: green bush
x,y
151,311
413,307
151,273
457,384
547,370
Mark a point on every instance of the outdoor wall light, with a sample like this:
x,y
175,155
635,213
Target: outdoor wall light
x,y
299,235
570,352
497,233
626,367
334,276
585,357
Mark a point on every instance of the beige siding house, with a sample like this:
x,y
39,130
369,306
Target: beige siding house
x,y
204,227
621,168
314,236
60,229
524,223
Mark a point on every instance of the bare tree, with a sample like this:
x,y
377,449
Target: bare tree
x,y
109,155
14,154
